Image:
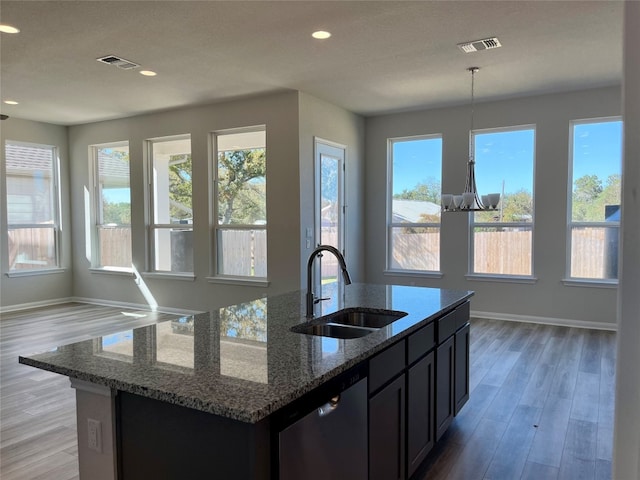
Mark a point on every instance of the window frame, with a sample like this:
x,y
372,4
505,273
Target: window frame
x,y
56,211
515,278
571,225
152,226
96,216
216,227
390,225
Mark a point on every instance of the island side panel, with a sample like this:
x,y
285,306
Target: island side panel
x,y
160,440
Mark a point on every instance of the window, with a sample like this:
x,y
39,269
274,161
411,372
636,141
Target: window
x,y
240,203
33,206
171,216
594,201
413,211
112,201
502,240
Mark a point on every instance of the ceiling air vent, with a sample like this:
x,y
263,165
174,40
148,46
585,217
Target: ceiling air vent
x,y
477,45
118,62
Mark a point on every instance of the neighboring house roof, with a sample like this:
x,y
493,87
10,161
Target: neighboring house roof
x,y
412,210
26,158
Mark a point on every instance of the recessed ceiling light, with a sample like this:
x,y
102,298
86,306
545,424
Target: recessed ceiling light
x,y
148,73
11,102
4,28
321,35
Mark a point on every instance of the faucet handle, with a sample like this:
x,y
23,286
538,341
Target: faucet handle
x,y
318,300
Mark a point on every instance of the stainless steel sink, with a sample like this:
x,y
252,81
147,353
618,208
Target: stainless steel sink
x,y
349,323
359,317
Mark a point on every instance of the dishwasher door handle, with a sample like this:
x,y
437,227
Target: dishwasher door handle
x,y
329,407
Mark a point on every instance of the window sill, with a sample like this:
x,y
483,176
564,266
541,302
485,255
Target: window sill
x,y
250,282
186,277
413,273
584,282
128,272
524,279
29,273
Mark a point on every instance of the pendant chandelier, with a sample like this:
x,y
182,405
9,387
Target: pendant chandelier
x,y
469,200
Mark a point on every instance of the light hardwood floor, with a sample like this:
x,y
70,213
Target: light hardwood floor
x,y
541,403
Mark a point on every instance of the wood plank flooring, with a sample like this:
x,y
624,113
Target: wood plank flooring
x,y
541,403
37,408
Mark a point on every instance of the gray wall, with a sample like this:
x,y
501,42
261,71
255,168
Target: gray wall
x,y
321,119
36,289
548,299
279,112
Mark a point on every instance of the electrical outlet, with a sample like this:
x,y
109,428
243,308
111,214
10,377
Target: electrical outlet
x,y
94,430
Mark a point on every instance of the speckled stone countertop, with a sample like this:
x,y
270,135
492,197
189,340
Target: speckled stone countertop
x,y
243,362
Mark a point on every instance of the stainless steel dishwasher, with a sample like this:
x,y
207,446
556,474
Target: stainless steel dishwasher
x,y
330,440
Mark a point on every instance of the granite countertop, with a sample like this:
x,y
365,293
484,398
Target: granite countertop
x,y
243,362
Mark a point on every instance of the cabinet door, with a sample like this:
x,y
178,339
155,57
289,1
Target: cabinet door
x,y
445,362
461,389
420,412
387,432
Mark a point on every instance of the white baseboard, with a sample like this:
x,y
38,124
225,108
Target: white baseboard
x,y
561,322
26,306
96,301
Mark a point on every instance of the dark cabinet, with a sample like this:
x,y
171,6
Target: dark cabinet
x,y
387,432
420,412
445,373
461,388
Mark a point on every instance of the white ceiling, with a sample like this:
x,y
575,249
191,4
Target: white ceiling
x,y
384,56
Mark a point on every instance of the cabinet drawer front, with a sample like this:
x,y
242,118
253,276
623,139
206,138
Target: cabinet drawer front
x,y
447,326
386,365
420,343
462,314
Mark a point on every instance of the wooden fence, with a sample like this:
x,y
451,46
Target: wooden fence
x,y
115,247
31,248
244,253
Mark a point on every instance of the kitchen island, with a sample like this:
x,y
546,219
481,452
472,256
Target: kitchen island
x,y
210,394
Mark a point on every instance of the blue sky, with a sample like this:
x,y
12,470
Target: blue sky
x,y
510,154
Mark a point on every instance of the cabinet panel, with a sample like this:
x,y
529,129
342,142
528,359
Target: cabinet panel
x,y
445,362
387,432
386,365
420,343
461,389
420,412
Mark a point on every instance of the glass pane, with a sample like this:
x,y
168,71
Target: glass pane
x,y
31,248
172,181
173,250
115,246
594,252
417,178
502,250
597,163
329,214
175,342
242,252
415,248
242,169
30,184
113,182
504,165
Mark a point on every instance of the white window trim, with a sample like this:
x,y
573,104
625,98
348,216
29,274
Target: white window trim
x,y
579,281
472,275
56,213
216,277
390,225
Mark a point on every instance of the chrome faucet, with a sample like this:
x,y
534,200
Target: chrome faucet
x,y
311,299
